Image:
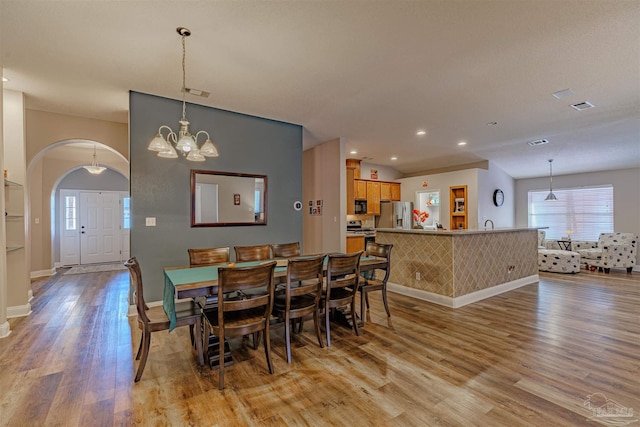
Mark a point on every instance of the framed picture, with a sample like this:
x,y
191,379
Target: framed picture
x,y
236,199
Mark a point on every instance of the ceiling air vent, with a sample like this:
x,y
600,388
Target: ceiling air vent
x,y
538,142
582,105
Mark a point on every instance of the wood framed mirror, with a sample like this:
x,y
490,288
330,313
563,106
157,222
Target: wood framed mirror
x,y
226,199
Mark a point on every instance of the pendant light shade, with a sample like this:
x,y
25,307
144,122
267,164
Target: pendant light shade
x,y
95,168
550,197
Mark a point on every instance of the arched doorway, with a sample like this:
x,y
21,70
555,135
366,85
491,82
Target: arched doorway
x,y
61,165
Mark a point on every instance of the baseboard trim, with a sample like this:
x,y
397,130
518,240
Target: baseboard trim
x,y
30,295
18,311
43,273
5,330
464,299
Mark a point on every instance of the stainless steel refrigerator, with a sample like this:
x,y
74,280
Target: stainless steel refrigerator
x,y
395,215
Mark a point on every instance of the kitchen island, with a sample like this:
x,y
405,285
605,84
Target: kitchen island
x,y
458,267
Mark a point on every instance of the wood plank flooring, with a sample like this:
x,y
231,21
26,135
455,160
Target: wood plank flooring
x,y
530,357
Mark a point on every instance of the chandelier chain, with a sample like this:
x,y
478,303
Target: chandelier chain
x,y
184,72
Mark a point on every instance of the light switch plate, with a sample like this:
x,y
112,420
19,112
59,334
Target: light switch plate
x,y
150,222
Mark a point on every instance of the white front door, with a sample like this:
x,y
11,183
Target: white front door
x,y
99,227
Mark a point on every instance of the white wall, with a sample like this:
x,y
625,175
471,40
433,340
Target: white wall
x,y
385,173
324,177
488,181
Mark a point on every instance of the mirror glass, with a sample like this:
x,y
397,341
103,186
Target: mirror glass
x,y
220,199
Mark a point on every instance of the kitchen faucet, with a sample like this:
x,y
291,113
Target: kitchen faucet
x,y
485,224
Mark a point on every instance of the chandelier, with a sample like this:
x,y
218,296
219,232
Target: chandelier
x,y
95,168
184,141
550,197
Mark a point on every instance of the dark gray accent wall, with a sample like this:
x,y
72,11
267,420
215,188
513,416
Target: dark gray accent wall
x,y
160,187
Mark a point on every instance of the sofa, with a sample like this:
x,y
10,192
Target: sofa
x,y
555,260
612,250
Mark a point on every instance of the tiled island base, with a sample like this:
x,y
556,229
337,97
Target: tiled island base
x,y
455,268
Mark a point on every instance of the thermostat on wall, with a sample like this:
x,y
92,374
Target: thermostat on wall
x,y
297,205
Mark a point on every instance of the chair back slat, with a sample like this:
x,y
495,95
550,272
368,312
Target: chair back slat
x,y
343,271
253,253
285,250
206,256
306,273
381,250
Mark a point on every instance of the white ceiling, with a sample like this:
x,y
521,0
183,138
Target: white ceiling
x,y
373,72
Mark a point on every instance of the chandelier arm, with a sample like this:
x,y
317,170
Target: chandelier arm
x,y
198,134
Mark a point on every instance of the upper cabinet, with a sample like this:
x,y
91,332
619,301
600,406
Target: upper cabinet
x,y
360,189
373,198
458,207
372,191
395,191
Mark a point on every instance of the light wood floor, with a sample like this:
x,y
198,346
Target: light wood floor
x,y
530,357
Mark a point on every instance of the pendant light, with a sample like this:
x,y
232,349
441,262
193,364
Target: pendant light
x,y
184,141
95,168
550,197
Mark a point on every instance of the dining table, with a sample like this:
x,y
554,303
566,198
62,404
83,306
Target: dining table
x,y
196,281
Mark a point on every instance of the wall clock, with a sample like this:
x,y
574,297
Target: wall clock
x,y
498,197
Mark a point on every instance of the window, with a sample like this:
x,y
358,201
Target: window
x,y
586,212
126,213
70,213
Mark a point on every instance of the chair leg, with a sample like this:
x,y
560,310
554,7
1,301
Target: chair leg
x,y
316,325
287,336
256,339
198,340
146,337
140,346
193,340
221,363
384,300
267,346
326,325
354,319
629,270
363,311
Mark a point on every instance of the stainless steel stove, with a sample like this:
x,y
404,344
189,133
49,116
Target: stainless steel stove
x,y
355,227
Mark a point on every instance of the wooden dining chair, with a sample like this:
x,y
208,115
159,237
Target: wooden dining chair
x,y
285,250
369,281
208,256
342,281
253,253
202,257
303,289
154,319
238,317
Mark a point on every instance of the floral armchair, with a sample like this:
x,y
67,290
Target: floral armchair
x,y
612,250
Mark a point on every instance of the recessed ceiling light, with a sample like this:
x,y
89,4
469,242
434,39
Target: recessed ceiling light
x,y
462,143
394,158
562,93
4,79
492,124
421,132
353,152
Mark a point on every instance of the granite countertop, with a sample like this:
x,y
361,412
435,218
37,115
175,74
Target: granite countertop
x,y
454,232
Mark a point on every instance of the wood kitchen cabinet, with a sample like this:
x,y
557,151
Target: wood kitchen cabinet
x,y
355,244
373,198
360,189
350,198
395,192
385,191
